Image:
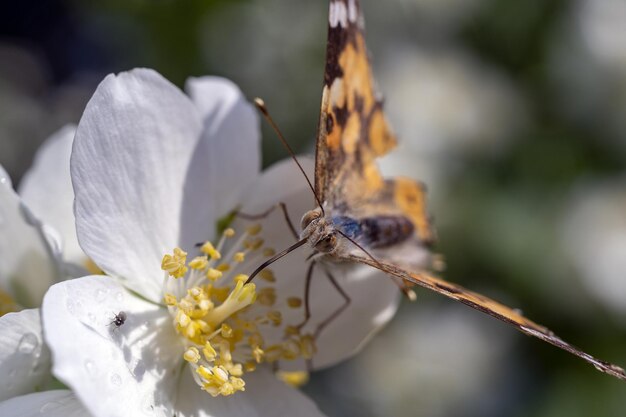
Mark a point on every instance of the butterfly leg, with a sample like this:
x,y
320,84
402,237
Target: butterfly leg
x,y
269,211
307,292
307,307
338,311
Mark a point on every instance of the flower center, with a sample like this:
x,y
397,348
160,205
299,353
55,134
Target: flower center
x,y
226,323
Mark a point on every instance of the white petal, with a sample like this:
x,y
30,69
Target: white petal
x,y
47,190
131,157
27,263
231,140
374,297
264,396
58,403
4,177
24,358
114,371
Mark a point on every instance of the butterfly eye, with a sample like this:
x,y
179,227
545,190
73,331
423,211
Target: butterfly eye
x,y
308,217
326,244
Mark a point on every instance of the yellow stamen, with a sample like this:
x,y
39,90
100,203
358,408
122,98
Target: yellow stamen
x,y
226,331
253,244
210,250
295,379
240,278
210,310
213,274
254,229
267,296
267,275
275,317
269,252
174,264
199,263
294,302
307,346
209,352
241,297
169,299
192,355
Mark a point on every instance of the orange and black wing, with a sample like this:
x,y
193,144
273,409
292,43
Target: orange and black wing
x,y
491,307
352,130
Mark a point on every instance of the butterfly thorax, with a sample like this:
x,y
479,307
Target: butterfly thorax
x,y
372,232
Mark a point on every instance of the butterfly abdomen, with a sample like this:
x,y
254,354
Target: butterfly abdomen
x,y
376,231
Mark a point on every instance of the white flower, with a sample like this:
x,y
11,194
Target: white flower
x,y
447,355
593,236
153,172
31,261
29,264
587,64
444,106
24,359
54,403
46,189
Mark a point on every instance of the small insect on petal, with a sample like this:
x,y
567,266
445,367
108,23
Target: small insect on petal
x,y
119,319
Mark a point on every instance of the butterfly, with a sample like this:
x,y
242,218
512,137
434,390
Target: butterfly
x,y
363,217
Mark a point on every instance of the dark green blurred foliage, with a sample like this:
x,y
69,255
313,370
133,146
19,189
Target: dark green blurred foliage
x,y
162,34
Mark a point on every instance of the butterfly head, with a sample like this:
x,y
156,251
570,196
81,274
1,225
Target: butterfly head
x,y
319,230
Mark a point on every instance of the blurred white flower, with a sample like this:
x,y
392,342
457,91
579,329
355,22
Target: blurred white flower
x,y
38,244
31,259
431,18
588,66
432,362
603,31
154,171
28,259
444,105
594,238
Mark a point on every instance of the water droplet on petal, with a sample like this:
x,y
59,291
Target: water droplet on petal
x,y
101,294
51,406
28,343
90,367
116,380
69,304
119,296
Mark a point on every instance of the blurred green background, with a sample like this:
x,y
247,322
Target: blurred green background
x,y
512,112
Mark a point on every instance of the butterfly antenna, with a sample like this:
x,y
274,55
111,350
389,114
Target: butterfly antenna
x,y
360,247
260,104
275,258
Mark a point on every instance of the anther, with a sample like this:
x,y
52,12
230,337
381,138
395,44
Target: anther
x,y
294,302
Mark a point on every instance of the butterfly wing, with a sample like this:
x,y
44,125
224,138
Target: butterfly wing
x,y
491,307
352,130
352,133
